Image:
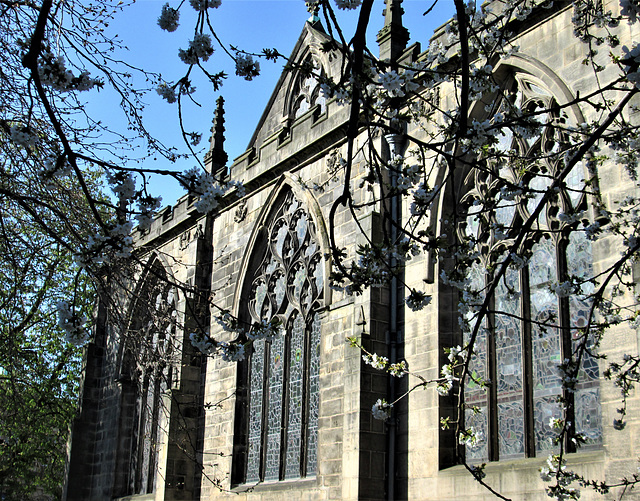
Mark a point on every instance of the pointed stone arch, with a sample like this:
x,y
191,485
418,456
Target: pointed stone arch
x,y
147,364
283,277
516,409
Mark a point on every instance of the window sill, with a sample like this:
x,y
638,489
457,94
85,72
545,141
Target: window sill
x,y
277,485
137,497
497,467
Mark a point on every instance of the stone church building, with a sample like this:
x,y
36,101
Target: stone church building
x,y
293,420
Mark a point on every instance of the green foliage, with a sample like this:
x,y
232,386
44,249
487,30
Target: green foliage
x,y
39,369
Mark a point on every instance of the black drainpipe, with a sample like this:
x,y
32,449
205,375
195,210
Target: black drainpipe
x,y
396,143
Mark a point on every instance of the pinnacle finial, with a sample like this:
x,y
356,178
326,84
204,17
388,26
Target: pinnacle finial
x,y
313,7
217,156
393,37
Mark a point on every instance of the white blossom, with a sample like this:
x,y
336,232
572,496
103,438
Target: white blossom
x,y
54,73
202,343
232,352
592,230
417,300
167,92
563,289
470,437
201,5
375,361
381,410
348,4
72,325
246,67
169,18
23,136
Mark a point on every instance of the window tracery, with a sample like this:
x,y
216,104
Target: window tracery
x,y
277,433
530,328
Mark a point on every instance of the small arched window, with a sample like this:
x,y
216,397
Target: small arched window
x,y
530,328
306,91
145,376
277,409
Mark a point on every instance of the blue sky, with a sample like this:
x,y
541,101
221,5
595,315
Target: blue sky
x,y
248,24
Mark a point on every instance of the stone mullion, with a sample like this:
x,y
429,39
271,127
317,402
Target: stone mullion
x,y
284,417
492,391
566,346
527,365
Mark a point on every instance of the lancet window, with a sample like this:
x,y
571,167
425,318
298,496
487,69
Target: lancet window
x,y
307,91
145,376
531,327
276,434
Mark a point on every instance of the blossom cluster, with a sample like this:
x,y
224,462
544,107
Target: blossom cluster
x,y
381,410
470,437
23,136
201,5
72,324
417,300
375,361
631,60
267,330
53,72
423,196
557,469
147,207
348,4
341,93
169,18
247,67
167,92
447,378
200,48
209,190
202,342
232,352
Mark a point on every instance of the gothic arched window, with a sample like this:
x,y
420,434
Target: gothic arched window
x,y
306,91
145,376
277,418
529,329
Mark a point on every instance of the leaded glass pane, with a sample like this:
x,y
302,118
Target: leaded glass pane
x,y
476,419
575,183
538,186
511,428
545,340
255,411
508,341
546,409
475,395
296,368
274,406
588,415
314,397
507,334
587,393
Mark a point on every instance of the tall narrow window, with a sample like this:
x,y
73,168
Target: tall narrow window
x,y
529,329
278,412
146,373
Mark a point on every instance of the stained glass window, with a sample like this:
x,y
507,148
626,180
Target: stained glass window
x,y
277,431
529,329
